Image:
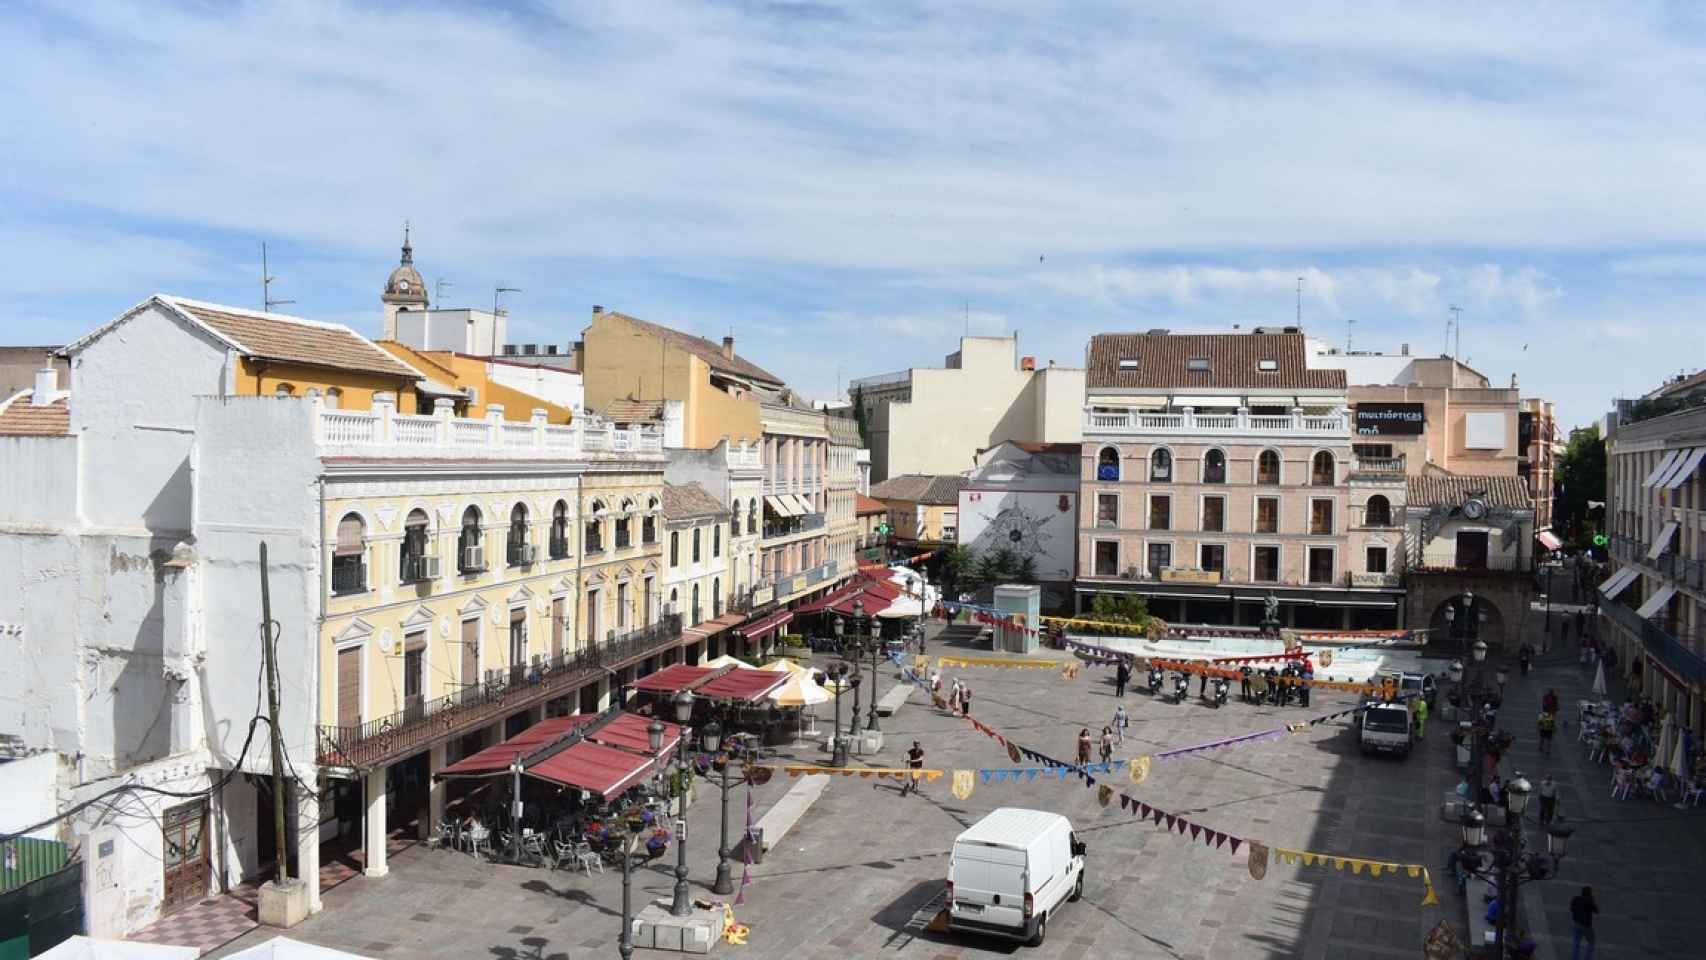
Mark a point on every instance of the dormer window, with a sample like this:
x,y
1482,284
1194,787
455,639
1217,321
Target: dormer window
x,y
1128,363
1267,366
1197,364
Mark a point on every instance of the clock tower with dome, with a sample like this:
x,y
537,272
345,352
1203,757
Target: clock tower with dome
x,y
404,289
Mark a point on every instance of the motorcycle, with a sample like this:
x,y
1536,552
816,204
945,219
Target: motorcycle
x,y
1181,687
1154,682
1221,690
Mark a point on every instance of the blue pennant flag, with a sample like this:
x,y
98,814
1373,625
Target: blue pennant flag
x,y
1031,774
1000,776
986,774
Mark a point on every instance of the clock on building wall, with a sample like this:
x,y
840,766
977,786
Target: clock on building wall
x,y
1474,508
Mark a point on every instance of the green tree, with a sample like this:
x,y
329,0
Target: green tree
x,y
1026,571
1581,475
859,418
1119,608
961,563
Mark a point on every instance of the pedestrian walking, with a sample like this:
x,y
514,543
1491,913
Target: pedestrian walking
x,y
1548,726
1549,702
1084,746
1122,676
1583,906
1548,799
1121,721
1303,688
914,761
1500,677
965,700
1421,718
1244,684
954,698
1107,744
1581,624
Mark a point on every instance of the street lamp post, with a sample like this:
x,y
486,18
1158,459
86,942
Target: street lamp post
x,y
1467,628
625,842
683,903
1510,863
725,882
872,724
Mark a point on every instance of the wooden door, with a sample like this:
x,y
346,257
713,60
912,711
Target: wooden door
x,y
349,687
184,829
470,652
559,626
414,674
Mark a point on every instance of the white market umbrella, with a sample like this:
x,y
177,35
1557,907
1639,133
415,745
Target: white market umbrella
x,y
724,661
903,607
785,665
1599,679
284,948
800,691
91,948
1678,760
1667,735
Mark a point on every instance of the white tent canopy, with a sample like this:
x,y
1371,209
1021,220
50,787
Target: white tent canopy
x,y
800,691
284,948
91,948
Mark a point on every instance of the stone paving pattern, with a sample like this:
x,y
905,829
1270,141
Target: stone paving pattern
x,y
850,878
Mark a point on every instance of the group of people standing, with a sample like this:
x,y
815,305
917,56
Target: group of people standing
x,y
958,700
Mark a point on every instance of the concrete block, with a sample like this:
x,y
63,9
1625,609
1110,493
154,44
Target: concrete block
x,y
894,699
786,812
284,905
695,933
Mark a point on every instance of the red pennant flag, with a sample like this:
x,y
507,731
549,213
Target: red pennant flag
x,y
1195,830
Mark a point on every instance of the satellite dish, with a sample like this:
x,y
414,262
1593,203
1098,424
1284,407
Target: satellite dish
x,y
387,645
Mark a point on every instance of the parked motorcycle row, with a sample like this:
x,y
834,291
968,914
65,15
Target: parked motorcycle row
x,y
1255,687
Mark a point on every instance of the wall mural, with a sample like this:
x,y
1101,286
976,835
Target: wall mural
x,y
1030,524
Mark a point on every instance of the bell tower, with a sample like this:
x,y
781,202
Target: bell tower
x,y
404,289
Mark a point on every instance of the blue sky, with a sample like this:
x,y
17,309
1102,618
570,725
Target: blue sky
x,y
850,187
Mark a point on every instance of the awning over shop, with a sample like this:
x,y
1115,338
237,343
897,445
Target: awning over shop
x,y
604,753
711,628
1618,582
830,599
1660,542
716,683
498,757
1549,540
1685,472
778,507
1233,402
606,771
1656,602
1666,672
801,505
764,625
1665,463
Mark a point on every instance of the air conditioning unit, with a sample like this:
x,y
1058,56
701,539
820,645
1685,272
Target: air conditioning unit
x,y
526,554
1132,573
474,557
421,569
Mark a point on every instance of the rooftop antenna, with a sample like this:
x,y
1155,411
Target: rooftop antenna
x,y
438,291
968,318
1300,301
498,291
1457,328
267,302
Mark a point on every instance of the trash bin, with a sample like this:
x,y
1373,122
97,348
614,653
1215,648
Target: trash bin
x,y
755,844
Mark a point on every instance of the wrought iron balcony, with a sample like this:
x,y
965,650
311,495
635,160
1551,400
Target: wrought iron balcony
x,y
378,742
1658,641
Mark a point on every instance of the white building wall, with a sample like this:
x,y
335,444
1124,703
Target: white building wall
x,y
29,789
1027,523
561,387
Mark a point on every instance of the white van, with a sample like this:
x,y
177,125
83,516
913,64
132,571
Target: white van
x,y
1011,871
1385,727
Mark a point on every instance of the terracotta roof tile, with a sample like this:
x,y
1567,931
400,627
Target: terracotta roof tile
x,y
1233,361
711,353
632,411
273,336
21,418
1450,489
690,501
865,506
921,488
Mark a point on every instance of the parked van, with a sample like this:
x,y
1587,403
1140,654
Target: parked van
x,y
1011,871
1411,685
1385,727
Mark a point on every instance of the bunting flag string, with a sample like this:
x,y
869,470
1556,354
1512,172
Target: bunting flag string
x,y
1115,626
882,773
1003,662
1209,669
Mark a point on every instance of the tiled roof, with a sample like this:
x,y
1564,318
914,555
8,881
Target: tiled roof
x,y
864,506
1450,489
275,336
633,411
1233,361
21,418
690,501
711,353
921,488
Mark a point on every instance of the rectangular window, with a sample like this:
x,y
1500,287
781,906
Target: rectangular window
x,y
622,607
1160,558
1267,514
1321,517
1107,510
695,544
1267,565
414,668
1213,514
1107,558
1211,556
1472,549
1376,559
1372,449
1197,364
1160,513
1321,565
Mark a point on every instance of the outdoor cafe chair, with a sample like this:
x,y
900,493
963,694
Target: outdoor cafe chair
x,y
1691,792
480,837
585,857
534,845
448,834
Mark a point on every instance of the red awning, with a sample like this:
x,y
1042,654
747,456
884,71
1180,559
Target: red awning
x,y
629,732
711,628
1549,540
606,771
675,677
830,599
750,686
497,757
765,624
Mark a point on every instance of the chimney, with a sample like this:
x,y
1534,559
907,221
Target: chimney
x,y
1404,349
728,348
47,384
597,309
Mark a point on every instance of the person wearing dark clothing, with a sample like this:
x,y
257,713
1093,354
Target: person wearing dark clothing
x,y
1084,747
965,701
1582,909
914,761
1244,684
1549,703
1122,676
1273,686
1303,688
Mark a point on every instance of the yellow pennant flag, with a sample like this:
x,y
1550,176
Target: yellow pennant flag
x,y
1430,899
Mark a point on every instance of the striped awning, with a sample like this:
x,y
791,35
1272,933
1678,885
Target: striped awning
x,y
780,507
764,625
1618,582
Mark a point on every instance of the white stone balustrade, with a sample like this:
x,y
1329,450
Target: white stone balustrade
x,y
383,432
1188,421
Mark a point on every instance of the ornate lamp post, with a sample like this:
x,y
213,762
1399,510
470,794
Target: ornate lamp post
x,y
838,745
627,841
683,903
861,635
1467,629
725,882
1510,863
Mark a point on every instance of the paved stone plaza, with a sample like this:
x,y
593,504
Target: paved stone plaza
x,y
854,874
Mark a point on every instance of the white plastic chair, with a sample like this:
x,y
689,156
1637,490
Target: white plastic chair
x,y
1692,791
586,858
480,837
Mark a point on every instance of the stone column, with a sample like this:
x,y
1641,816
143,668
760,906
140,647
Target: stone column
x,y
308,837
373,789
436,758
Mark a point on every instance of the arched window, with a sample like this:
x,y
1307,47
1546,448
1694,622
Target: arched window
x,y
470,555
414,563
1321,470
649,523
695,544
1379,512
1268,468
717,541
595,527
349,556
734,520
752,516
1108,464
1214,467
560,530
284,390
674,600
334,398
1161,466
675,548
717,597
695,610
520,551
624,526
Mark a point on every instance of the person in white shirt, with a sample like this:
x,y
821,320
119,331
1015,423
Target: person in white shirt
x,y
1120,721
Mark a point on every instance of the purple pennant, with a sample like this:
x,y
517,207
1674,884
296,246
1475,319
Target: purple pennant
x,y
1170,821
1195,830
1235,843
1220,840
1159,813
1125,802
1145,808
1182,825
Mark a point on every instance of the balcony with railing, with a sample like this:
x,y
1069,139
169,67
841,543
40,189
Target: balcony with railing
x,y
383,432
785,527
745,456
1378,466
381,741
1681,570
1134,422
1657,641
349,575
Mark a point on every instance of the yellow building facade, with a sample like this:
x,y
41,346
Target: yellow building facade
x,y
631,359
